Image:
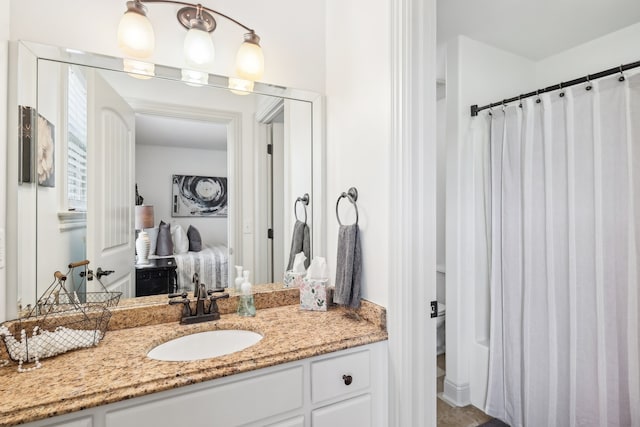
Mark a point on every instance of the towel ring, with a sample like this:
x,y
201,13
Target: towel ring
x,y
305,202
352,196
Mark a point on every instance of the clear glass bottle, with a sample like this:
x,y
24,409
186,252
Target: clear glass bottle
x,y
239,279
246,306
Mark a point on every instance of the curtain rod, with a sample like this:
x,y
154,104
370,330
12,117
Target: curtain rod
x,y
475,109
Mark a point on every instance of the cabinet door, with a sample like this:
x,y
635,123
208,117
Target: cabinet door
x,y
291,422
233,404
78,422
350,413
84,422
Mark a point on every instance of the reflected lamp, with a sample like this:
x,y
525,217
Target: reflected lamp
x,y
143,219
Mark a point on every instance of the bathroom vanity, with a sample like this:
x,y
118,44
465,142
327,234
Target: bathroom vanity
x,y
310,368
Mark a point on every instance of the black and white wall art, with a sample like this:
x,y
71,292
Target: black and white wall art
x,y
45,167
202,196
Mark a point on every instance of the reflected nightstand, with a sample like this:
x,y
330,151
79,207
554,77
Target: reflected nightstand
x,y
158,277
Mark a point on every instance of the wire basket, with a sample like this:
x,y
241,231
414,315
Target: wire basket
x,y
32,338
62,320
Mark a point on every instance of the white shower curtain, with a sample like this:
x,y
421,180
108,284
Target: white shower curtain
x,y
564,199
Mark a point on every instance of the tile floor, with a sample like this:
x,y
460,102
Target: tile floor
x,y
449,416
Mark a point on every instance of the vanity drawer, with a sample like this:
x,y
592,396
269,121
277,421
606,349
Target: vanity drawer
x,y
340,375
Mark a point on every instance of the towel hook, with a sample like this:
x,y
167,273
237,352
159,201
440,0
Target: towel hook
x,y
305,202
352,196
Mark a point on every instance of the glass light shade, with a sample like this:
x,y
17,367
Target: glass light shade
x,y
198,48
195,78
135,35
250,61
138,69
240,86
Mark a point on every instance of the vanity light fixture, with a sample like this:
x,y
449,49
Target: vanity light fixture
x,y
136,39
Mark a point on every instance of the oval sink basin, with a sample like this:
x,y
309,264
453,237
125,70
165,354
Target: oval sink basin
x,y
204,345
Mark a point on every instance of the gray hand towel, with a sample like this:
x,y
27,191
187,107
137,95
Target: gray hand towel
x,y
300,242
348,267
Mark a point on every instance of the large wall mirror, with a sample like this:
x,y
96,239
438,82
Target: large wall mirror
x,y
230,165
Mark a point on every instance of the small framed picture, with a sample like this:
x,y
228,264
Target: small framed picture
x,y
26,126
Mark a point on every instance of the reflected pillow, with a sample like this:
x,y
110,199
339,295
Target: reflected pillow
x,y
164,243
153,239
195,241
180,239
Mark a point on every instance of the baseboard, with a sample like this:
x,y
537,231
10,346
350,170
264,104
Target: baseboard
x,y
456,395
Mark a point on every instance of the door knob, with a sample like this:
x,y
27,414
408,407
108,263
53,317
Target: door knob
x,y
100,272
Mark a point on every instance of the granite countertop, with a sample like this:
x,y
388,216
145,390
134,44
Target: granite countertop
x,y
118,368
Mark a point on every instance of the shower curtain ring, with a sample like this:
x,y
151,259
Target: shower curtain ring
x,y
621,78
520,101
589,86
538,100
561,92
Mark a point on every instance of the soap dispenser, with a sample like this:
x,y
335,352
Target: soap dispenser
x,y
246,306
239,278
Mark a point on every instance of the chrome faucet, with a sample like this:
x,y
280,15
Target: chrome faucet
x,y
200,294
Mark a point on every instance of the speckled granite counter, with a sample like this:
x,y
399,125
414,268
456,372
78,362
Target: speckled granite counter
x,y
118,368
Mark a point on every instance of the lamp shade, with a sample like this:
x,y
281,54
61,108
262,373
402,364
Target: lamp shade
x,y
144,217
250,59
135,33
198,48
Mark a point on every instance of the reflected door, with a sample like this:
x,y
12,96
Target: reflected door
x,y
110,195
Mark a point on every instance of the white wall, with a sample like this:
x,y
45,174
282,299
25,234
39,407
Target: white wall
x,y
155,166
476,74
4,63
358,132
57,245
609,51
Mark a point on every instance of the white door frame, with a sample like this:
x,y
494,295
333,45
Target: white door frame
x,y
412,273
234,160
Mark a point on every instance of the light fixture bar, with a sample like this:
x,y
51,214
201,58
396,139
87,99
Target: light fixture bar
x,y
203,8
136,38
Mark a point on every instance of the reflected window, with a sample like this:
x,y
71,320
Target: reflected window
x,y
77,140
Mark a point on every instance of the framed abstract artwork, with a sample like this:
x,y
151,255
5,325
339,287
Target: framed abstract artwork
x,y
199,196
45,166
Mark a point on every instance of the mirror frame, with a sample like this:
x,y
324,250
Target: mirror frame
x,y
23,66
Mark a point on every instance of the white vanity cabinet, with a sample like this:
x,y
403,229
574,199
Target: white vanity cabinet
x,y
344,388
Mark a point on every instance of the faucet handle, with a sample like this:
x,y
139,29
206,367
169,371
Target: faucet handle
x,y
186,309
181,295
214,290
216,297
